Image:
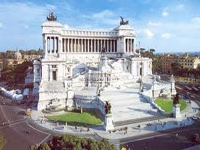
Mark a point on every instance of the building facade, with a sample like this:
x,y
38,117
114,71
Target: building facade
x,y
167,60
187,62
74,58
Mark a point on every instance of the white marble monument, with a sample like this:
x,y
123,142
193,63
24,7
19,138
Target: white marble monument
x,y
86,68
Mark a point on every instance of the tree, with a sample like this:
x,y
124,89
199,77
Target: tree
x,y
33,147
44,146
176,67
152,50
66,142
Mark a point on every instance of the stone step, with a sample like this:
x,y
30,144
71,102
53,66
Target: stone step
x,y
121,97
131,106
140,120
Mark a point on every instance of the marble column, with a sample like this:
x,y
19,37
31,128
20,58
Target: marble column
x,y
88,45
45,45
75,46
50,45
97,45
69,40
89,41
133,46
67,45
114,45
57,42
73,40
78,47
64,45
81,46
107,42
131,41
127,45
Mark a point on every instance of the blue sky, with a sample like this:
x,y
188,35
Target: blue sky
x,y
165,25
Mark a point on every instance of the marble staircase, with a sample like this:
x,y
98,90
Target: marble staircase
x,y
127,104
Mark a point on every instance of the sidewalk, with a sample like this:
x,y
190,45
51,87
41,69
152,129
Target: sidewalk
x,y
120,133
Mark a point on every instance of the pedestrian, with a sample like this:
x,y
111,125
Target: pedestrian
x,y
75,127
88,129
81,129
139,128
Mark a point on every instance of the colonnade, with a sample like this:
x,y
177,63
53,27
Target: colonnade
x,y
52,45
129,45
88,45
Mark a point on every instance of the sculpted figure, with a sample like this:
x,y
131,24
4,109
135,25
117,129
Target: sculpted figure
x,y
107,107
176,99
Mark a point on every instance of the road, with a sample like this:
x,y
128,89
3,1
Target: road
x,y
19,134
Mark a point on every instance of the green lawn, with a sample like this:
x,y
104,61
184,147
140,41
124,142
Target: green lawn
x,y
76,118
166,104
2,141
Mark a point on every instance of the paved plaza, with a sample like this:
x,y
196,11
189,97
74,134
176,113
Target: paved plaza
x,y
121,132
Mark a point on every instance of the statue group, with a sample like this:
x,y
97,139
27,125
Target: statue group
x,y
122,22
52,17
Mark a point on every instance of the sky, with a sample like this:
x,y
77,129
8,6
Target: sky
x,y
165,25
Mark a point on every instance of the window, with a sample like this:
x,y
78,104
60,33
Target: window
x,y
53,66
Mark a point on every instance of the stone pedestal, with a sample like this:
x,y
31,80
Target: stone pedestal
x,y
108,124
173,90
176,111
70,101
89,78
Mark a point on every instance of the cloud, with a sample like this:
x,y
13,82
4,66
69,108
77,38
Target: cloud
x,y
51,7
1,25
22,13
166,35
66,26
148,33
26,26
165,13
155,24
196,19
180,7
103,14
107,17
